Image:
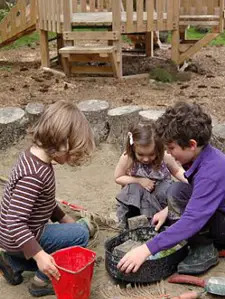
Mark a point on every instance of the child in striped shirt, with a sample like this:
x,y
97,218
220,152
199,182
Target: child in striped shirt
x,y
62,134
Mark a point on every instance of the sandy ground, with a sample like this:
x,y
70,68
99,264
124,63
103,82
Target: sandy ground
x,y
92,185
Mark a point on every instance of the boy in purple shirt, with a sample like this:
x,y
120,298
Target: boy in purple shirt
x,y
198,208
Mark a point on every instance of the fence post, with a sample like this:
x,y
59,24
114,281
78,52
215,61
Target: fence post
x,y
175,32
116,26
222,15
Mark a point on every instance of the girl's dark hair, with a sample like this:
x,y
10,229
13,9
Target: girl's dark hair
x,y
145,135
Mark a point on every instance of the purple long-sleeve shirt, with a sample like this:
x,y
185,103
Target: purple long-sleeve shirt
x,y
207,177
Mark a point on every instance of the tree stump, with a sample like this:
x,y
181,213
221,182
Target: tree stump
x,y
120,120
147,116
96,113
34,111
218,137
13,125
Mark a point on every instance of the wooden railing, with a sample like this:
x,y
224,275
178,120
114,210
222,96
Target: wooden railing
x,y
50,15
91,5
202,12
150,15
21,18
200,7
130,15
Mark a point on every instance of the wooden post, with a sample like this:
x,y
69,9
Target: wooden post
x,y
116,26
175,46
60,44
175,33
149,44
222,12
67,12
45,61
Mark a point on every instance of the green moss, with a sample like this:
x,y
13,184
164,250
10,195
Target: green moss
x,y
162,75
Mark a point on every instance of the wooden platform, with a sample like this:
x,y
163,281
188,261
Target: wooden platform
x,y
105,19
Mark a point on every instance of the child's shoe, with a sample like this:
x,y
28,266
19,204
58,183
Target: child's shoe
x,y
89,224
12,277
199,260
40,288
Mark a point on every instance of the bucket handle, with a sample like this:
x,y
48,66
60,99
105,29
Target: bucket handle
x,y
72,272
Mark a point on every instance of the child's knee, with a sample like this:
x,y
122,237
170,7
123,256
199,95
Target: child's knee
x,y
179,191
79,235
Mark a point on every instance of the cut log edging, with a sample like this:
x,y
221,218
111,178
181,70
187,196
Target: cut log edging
x,y
108,125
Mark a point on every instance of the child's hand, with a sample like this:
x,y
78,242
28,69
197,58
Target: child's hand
x,y
147,184
159,218
134,259
46,264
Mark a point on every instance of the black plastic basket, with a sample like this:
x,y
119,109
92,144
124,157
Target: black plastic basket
x,y
151,270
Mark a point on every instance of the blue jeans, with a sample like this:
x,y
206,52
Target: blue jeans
x,y
53,238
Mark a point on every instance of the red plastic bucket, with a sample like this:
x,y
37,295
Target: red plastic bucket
x,y
76,265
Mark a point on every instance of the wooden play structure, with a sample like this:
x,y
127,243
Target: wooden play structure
x,y
90,32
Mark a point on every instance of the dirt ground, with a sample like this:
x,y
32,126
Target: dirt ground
x,y
91,185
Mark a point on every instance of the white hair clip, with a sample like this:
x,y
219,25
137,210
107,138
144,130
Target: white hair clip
x,y
130,136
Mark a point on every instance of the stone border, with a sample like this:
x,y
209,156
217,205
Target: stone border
x,y
108,125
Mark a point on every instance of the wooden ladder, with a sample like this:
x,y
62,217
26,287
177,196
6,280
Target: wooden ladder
x,y
102,58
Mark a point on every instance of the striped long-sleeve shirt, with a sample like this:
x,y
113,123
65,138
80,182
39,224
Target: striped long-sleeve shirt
x,y
28,204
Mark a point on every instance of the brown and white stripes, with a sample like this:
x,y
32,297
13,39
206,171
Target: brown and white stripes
x,y
27,205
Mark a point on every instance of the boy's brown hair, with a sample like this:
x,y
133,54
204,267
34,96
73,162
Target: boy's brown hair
x,y
183,122
144,135
63,124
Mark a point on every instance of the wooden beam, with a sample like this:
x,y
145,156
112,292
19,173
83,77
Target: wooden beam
x,y
87,50
91,35
198,45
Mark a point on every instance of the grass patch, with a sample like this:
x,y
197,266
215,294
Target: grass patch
x,y
162,75
3,13
194,34
6,68
26,40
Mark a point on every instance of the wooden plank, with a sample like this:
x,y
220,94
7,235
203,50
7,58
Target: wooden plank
x,y
159,10
66,15
199,23
93,35
115,66
169,15
58,13
140,9
52,15
92,5
149,44
198,45
74,6
44,4
45,61
199,6
87,50
130,9
91,69
210,7
222,15
66,66
116,26
150,15
83,5
100,5
87,58
175,41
